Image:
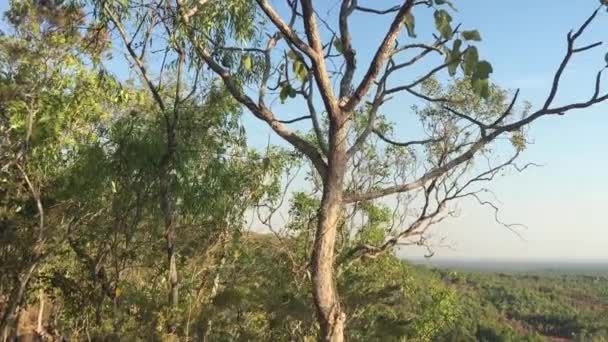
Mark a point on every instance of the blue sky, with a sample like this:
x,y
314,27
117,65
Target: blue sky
x,y
563,203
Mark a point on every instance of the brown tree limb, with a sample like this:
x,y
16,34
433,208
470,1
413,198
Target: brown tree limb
x,y
260,111
318,61
380,57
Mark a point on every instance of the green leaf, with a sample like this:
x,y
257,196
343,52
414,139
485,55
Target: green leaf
x,y
247,62
286,91
481,87
518,140
300,70
338,45
483,70
410,24
226,61
292,55
443,23
471,35
471,58
445,2
454,57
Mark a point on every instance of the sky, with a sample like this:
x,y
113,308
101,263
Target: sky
x,y
562,203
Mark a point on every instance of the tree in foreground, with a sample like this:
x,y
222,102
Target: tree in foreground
x,y
300,55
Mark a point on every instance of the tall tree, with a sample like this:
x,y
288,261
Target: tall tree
x,y
304,57
202,139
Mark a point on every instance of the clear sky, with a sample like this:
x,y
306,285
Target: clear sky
x,y
563,203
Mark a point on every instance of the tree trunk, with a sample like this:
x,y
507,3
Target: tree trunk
x,y
39,328
214,289
10,315
167,208
327,302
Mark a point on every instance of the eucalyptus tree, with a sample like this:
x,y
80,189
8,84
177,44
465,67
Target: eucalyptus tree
x,y
205,174
297,54
93,166
51,104
119,251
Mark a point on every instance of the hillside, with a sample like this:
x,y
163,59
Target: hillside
x,y
533,305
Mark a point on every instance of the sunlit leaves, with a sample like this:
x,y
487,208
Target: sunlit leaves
x,y
471,35
518,140
443,24
247,61
298,67
287,91
453,57
445,2
410,25
471,58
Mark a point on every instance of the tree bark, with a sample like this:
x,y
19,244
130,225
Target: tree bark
x,y
167,209
327,302
39,329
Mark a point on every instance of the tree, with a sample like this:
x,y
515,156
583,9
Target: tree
x,y
43,82
304,69
112,274
91,167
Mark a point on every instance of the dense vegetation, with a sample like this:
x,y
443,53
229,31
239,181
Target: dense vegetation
x,y
533,306
262,299
128,186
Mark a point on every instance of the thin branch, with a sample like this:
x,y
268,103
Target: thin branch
x,y
304,117
347,47
382,53
405,144
136,59
318,61
261,111
507,111
376,11
285,29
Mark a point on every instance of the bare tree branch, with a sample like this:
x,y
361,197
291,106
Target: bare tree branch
x,y
380,57
405,144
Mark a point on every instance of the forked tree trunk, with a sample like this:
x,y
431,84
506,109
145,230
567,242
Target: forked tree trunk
x,y
327,302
